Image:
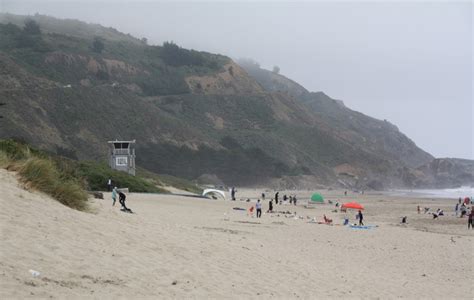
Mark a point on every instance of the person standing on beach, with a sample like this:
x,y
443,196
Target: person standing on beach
x,y
294,200
232,193
470,219
360,216
109,185
276,197
263,196
456,209
270,206
258,206
114,196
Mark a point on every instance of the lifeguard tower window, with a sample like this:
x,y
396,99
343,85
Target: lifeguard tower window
x,y
121,145
122,156
121,161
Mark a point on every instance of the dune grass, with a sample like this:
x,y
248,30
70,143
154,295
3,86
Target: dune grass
x,y
43,175
40,172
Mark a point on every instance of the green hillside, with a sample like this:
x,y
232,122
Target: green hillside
x,y
69,89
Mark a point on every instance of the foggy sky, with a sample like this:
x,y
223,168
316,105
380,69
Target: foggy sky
x,y
409,63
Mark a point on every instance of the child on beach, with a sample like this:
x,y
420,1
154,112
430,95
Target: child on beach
x,y
114,196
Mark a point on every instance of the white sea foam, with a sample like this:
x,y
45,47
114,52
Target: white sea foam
x,y
464,191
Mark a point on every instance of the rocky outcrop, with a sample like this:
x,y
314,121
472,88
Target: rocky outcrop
x,y
447,173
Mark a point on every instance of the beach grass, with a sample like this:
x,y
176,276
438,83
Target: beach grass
x,y
43,175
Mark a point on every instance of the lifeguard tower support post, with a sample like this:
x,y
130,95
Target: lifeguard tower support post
x,y
122,156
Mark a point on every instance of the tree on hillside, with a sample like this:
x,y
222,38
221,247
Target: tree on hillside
x,y
276,69
98,45
174,55
248,63
31,27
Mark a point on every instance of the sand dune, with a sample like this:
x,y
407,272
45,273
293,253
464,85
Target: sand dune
x,y
182,247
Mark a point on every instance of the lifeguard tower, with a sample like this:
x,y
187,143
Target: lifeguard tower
x,y
122,156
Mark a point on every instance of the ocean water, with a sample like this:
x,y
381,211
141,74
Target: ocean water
x,y
464,191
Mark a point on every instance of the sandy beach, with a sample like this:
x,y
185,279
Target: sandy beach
x,y
184,247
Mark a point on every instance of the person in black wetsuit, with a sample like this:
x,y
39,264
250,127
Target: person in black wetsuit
x,y
276,197
361,218
270,206
122,202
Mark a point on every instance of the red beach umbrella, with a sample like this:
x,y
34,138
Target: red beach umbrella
x,y
353,205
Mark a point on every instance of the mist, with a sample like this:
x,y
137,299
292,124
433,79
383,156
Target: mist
x,y
408,63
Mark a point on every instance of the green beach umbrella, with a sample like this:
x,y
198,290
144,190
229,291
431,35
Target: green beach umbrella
x,y
317,198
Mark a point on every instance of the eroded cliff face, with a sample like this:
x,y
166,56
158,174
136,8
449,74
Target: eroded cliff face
x,y
232,80
447,172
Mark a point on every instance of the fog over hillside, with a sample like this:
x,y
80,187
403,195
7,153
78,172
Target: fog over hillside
x,y
409,63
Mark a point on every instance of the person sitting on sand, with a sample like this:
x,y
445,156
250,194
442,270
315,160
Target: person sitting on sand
x,y
258,206
327,220
122,198
404,220
360,216
463,210
427,209
251,211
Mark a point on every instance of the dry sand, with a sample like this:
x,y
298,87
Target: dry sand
x,y
209,250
